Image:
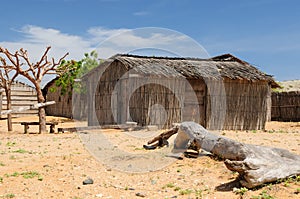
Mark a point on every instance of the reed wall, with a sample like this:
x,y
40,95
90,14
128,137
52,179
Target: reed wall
x,y
237,105
286,106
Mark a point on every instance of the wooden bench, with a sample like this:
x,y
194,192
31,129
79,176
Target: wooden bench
x,y
27,124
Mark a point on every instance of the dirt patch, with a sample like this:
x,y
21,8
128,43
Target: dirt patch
x,y
55,165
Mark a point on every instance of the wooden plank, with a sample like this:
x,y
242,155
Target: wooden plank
x,y
25,108
37,123
18,97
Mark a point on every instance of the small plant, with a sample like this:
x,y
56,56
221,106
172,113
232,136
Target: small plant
x,y
263,195
282,131
9,144
26,175
178,170
254,131
30,174
2,164
1,179
177,189
270,186
169,185
271,131
198,192
185,192
289,180
241,191
20,151
297,191
286,184
9,195
15,174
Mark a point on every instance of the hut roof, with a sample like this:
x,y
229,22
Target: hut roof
x,y
225,65
221,66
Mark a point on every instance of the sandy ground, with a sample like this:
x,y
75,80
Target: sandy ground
x,y
55,166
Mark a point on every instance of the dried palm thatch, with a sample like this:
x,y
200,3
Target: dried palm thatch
x,y
221,66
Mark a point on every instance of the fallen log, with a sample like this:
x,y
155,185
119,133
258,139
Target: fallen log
x,y
255,164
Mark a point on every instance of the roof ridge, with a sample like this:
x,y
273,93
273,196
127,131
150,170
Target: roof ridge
x,y
159,57
223,57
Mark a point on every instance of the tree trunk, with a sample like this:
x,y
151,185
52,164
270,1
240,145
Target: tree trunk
x,y
255,164
42,112
42,120
8,107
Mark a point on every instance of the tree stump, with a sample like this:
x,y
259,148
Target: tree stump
x,y
255,164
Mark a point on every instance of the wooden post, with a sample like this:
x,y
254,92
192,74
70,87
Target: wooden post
x,y
26,127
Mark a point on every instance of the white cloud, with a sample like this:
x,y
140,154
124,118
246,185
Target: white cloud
x,y
154,38
35,39
107,42
99,34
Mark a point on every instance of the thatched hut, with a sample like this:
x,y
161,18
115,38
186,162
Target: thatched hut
x,y
222,92
64,103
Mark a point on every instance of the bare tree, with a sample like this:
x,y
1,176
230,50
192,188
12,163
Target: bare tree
x,y
34,72
7,77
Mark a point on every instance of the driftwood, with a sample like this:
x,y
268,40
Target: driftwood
x,y
256,165
162,139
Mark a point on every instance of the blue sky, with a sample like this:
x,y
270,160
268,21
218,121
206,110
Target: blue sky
x,y
266,33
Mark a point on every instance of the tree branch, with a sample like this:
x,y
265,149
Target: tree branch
x,y
53,65
24,55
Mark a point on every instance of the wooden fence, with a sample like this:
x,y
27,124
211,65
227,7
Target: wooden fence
x,y
286,106
22,96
